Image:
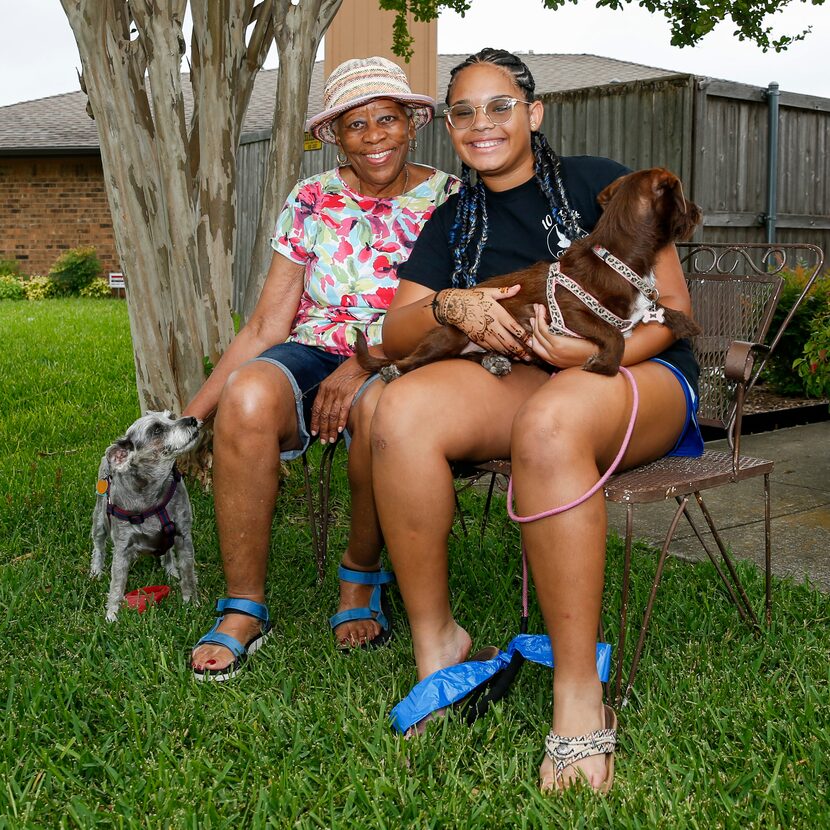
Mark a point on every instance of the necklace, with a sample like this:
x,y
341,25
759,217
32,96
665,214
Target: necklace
x,y
395,196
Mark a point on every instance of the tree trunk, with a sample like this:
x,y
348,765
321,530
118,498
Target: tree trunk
x,y
172,185
136,146
299,30
221,95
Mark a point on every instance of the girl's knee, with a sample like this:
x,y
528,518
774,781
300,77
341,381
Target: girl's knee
x,y
543,434
363,410
401,412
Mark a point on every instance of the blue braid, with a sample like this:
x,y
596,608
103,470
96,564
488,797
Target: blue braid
x,y
481,210
462,196
549,179
471,207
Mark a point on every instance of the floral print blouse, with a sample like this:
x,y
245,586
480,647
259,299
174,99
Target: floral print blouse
x,y
350,245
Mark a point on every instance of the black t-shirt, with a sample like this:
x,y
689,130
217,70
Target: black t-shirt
x,y
521,228
522,231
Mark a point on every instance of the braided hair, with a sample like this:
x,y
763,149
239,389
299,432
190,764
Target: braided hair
x,y
468,234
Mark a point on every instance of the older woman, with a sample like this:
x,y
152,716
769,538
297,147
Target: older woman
x,y
290,374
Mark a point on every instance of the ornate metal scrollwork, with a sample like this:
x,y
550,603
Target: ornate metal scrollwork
x,y
724,258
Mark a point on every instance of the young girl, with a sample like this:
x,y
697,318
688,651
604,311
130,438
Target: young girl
x,y
561,430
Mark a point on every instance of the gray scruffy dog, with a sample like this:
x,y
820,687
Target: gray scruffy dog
x,y
143,505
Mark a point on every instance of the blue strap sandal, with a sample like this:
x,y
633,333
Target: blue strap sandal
x,y
240,652
378,609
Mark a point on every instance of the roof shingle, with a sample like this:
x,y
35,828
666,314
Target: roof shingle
x,y
60,123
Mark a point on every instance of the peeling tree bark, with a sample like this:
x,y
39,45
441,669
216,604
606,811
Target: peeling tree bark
x,y
172,184
299,30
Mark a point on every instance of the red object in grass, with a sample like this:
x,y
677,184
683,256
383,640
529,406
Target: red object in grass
x,y
150,594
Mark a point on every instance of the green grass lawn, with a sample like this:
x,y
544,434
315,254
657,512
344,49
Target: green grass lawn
x,y
103,724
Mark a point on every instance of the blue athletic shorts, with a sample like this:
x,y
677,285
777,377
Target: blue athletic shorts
x,y
690,442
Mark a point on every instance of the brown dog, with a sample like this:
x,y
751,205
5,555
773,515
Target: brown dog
x,y
642,212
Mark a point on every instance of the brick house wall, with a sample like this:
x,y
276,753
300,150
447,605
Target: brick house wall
x,y
49,204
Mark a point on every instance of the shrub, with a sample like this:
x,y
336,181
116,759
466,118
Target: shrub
x,y
99,288
11,288
778,373
75,269
38,287
814,367
10,267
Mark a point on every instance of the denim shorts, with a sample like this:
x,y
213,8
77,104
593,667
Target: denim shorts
x,y
306,367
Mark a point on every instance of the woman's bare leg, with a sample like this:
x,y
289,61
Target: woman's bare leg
x,y
365,538
445,411
563,438
256,417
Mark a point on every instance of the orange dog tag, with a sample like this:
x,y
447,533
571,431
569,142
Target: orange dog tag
x,y
102,486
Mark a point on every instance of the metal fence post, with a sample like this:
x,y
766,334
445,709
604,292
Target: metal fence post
x,y
772,95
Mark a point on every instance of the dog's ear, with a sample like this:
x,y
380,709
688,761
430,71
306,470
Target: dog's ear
x,y
683,214
680,202
664,181
118,453
667,182
608,192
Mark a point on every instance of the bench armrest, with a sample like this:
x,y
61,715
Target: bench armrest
x,y
740,360
739,367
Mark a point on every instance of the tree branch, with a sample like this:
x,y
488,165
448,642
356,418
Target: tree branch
x,y
259,44
689,22
298,30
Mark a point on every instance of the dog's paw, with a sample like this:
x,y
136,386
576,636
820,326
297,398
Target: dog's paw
x,y
96,564
112,616
599,365
497,364
389,373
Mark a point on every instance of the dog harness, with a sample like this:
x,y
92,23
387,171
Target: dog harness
x,y
645,286
168,526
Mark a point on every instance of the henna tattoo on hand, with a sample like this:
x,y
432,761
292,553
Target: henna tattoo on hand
x,y
436,311
511,346
485,325
522,335
451,305
468,309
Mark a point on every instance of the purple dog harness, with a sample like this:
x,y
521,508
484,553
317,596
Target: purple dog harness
x,y
644,286
168,526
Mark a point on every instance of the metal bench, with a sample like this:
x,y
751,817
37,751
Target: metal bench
x,y
319,515
735,290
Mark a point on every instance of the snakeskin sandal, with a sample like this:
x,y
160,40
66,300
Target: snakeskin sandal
x,y
566,751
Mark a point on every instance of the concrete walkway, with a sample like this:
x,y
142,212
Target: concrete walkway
x,y
800,498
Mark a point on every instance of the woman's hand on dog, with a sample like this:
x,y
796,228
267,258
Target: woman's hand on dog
x,y
479,314
330,411
556,349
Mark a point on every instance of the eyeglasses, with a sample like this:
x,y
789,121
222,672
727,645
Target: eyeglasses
x,y
498,111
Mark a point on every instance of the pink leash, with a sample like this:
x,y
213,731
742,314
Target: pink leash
x,y
608,473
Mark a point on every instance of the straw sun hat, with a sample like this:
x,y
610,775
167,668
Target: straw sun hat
x,y
360,80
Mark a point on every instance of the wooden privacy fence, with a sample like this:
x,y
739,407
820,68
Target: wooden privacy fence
x,y
717,135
